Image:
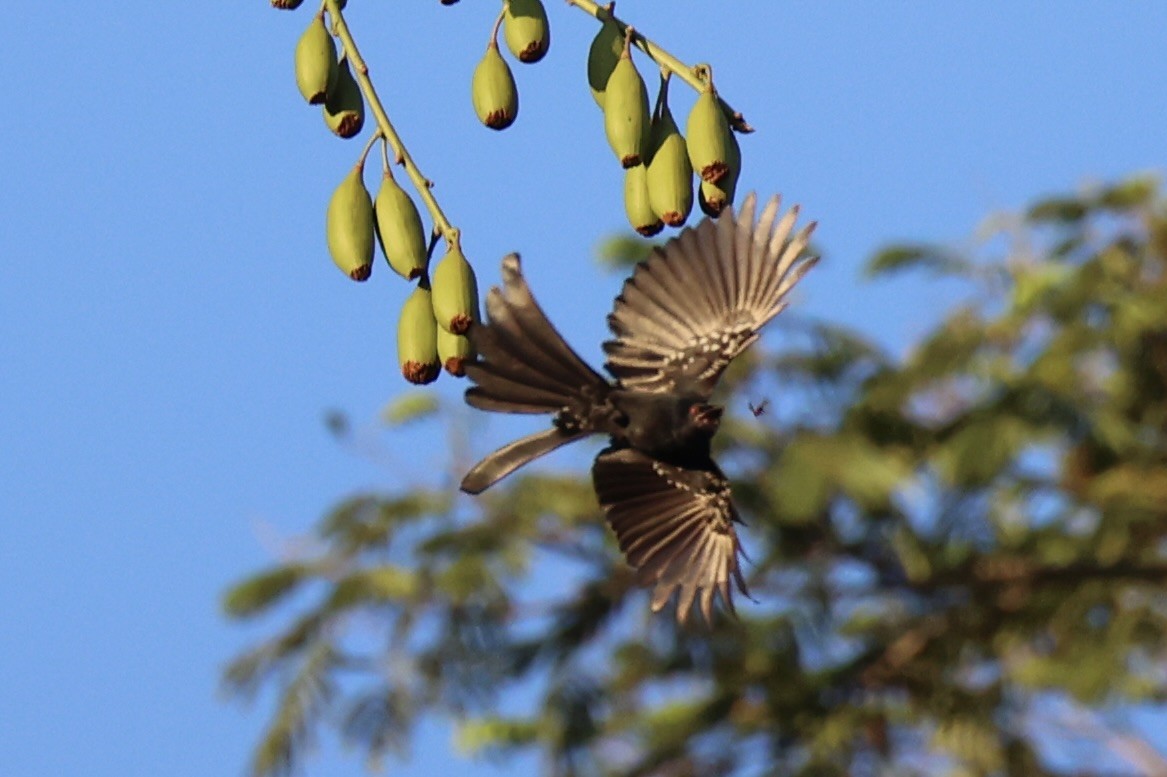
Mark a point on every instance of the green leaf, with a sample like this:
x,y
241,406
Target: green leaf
x,y
1131,193
1057,210
912,555
375,585
302,700
980,449
621,251
869,474
493,733
800,483
935,259
409,407
974,742
261,591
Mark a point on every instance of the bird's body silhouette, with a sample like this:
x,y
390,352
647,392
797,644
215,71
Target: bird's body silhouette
x,y
683,315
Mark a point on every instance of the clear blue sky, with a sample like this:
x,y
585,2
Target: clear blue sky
x,y
172,330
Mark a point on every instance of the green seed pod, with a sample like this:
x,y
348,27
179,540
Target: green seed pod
x,y
286,5
454,352
603,55
417,342
525,28
399,229
349,226
710,137
716,197
636,205
493,92
670,176
315,62
455,293
344,108
626,116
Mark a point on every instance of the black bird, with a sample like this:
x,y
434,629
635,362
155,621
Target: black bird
x,y
686,312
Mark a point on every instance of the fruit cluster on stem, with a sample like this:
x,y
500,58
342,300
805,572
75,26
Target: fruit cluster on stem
x,y
696,76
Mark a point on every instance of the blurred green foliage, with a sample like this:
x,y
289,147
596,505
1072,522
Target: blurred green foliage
x,y
939,542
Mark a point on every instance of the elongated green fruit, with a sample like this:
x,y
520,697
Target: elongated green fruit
x,y
709,137
417,341
399,229
454,352
636,205
455,293
716,197
526,30
493,92
603,55
670,176
349,226
315,62
626,117
344,108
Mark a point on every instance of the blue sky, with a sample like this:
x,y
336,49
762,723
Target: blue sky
x,y
172,331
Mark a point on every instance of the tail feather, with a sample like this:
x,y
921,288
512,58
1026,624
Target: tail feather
x,y
525,366
510,457
509,358
520,318
501,388
522,343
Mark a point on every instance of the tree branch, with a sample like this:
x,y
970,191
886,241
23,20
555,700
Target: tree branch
x,y
423,185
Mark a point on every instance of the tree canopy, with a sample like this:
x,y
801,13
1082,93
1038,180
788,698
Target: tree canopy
x,y
942,546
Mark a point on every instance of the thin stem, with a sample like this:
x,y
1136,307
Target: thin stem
x,y
368,147
385,156
429,253
497,24
340,28
697,76
662,94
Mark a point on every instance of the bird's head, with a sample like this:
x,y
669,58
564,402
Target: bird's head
x,y
705,417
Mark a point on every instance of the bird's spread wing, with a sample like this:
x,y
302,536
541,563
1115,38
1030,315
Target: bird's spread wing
x,y
699,301
674,525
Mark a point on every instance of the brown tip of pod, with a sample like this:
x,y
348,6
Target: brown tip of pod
x,y
456,366
714,172
415,272
449,2
673,218
286,5
631,160
499,120
350,124
460,324
318,98
421,374
533,53
362,273
648,230
711,209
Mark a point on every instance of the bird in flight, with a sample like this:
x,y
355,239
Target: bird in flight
x,y
684,314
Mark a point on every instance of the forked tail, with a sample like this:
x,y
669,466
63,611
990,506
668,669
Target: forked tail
x,y
525,366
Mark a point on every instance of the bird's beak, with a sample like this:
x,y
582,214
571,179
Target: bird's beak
x,y
709,416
